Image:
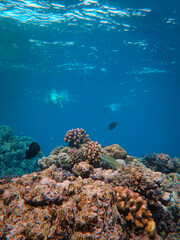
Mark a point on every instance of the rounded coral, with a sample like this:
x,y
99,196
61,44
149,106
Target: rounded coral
x,y
76,137
134,209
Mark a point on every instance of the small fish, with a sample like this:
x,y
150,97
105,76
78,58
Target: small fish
x,y
110,160
33,150
112,125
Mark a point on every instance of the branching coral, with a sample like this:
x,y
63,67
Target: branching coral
x,y
134,209
91,151
76,137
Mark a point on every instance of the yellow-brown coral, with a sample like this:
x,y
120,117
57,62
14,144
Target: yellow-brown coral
x,y
134,208
116,151
91,151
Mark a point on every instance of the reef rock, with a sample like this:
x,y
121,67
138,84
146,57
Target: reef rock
x,y
54,204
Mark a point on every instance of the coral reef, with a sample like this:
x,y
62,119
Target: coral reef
x,y
116,151
56,150
76,156
76,137
12,153
80,149
135,210
43,206
83,169
85,191
160,191
67,157
159,162
58,157
91,151
137,178
61,157
5,133
46,162
56,204
177,164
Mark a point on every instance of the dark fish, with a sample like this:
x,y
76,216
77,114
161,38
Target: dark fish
x,y
112,125
33,150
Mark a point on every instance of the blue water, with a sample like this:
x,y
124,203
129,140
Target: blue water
x,y
67,64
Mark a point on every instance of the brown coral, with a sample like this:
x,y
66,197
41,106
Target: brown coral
x,y
159,162
56,150
57,157
46,162
134,209
83,169
42,206
160,192
76,137
91,151
116,151
75,156
141,180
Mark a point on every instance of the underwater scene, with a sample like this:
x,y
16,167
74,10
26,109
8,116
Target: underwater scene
x,y
90,120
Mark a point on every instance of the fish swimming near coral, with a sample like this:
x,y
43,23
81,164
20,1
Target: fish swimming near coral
x,y
112,125
110,160
33,150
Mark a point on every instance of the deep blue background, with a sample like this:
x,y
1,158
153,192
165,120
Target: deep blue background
x,y
109,66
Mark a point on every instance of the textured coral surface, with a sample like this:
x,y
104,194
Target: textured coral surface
x,y
78,195
116,151
91,151
135,210
76,137
160,162
55,204
12,153
42,205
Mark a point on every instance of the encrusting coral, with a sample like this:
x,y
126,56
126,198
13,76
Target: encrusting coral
x,y
52,204
135,210
116,151
76,137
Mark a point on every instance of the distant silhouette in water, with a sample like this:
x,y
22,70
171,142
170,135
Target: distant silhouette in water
x,y
33,150
112,125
